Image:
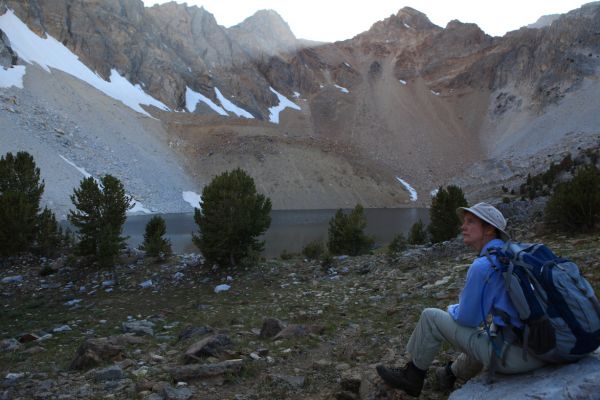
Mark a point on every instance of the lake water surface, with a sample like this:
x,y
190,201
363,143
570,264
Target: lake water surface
x,y
290,230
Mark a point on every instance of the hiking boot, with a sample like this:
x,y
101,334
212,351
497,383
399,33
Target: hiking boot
x,y
445,378
408,378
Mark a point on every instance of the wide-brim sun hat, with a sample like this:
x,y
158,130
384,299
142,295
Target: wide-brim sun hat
x,y
489,214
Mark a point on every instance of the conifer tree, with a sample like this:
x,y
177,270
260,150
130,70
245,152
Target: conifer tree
x,y
154,244
232,216
99,217
20,195
444,222
575,205
346,233
417,234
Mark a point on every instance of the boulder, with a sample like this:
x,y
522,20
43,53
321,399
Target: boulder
x,y
271,327
139,327
580,380
93,352
211,346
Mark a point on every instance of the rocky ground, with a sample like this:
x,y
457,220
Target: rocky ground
x,y
285,329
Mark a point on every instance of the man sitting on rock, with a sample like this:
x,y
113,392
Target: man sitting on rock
x,y
483,227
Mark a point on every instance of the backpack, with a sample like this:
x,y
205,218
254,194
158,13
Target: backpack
x,y
557,305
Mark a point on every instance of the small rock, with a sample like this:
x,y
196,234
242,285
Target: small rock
x,y
139,327
178,393
222,288
211,346
146,284
191,331
13,279
9,344
12,376
63,328
112,373
295,382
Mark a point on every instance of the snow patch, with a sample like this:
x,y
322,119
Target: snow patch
x,y
229,106
193,98
50,53
410,189
434,192
81,170
192,198
296,95
342,89
138,208
348,65
402,81
435,93
407,25
12,76
283,103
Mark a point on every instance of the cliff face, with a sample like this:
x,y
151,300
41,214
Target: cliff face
x,y
406,97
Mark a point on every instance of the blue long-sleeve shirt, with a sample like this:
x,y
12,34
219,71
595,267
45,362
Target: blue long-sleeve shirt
x,y
468,312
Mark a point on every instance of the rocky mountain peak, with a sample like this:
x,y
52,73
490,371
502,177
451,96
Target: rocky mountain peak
x,y
414,18
264,33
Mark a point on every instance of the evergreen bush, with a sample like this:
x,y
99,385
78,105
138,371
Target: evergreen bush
x,y
313,250
445,224
232,216
155,245
20,195
99,217
417,233
397,245
575,205
346,233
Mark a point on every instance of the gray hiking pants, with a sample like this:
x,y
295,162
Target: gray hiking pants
x,y
436,326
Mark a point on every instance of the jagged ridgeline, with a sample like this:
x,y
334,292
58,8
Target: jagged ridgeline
x,y
379,119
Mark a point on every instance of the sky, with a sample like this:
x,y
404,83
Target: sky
x,y
331,20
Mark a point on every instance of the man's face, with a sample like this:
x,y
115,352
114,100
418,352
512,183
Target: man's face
x,y
472,230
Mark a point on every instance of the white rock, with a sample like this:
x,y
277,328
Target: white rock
x,y
63,328
13,279
146,284
222,288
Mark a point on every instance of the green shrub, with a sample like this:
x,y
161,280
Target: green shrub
x,y
326,260
286,255
346,233
233,215
445,223
506,199
49,236
155,245
99,217
575,205
397,245
20,194
417,233
313,250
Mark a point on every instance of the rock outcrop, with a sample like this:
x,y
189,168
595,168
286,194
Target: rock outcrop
x,y
574,381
